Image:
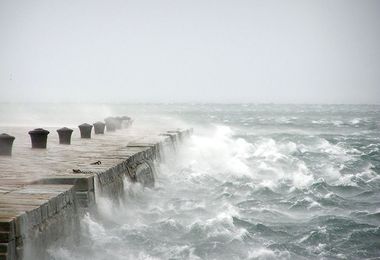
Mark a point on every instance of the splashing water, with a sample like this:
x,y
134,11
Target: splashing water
x,y
273,183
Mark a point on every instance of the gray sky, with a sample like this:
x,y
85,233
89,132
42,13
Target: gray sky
x,y
306,51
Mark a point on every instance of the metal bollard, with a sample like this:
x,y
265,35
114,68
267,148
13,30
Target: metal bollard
x,y
85,130
118,122
6,143
99,127
64,134
110,124
39,138
126,121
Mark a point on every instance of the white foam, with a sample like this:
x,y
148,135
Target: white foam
x,y
219,153
356,121
267,254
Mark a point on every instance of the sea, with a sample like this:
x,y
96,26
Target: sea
x,y
255,181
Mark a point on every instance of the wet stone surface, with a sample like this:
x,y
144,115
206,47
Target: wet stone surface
x,y
41,184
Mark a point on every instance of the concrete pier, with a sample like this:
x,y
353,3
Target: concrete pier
x,y
44,192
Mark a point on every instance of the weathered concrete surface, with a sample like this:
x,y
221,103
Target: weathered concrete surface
x,y
33,215
42,191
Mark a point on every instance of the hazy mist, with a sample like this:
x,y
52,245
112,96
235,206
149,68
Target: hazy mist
x,y
304,51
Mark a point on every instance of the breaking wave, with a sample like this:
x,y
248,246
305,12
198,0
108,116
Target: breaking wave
x,y
240,193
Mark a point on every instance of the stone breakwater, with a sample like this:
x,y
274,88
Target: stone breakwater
x,y
44,193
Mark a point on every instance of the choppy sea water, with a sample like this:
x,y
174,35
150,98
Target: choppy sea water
x,y
254,182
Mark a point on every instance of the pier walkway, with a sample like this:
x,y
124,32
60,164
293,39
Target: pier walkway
x,y
43,191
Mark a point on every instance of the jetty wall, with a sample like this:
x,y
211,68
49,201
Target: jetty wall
x,y
34,213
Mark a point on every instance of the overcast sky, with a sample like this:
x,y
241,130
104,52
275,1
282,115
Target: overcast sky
x,y
306,51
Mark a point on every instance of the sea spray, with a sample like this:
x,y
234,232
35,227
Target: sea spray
x,y
269,183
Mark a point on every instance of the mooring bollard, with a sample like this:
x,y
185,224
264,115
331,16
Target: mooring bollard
x,y
64,134
6,143
126,121
99,127
118,122
39,137
110,124
85,130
